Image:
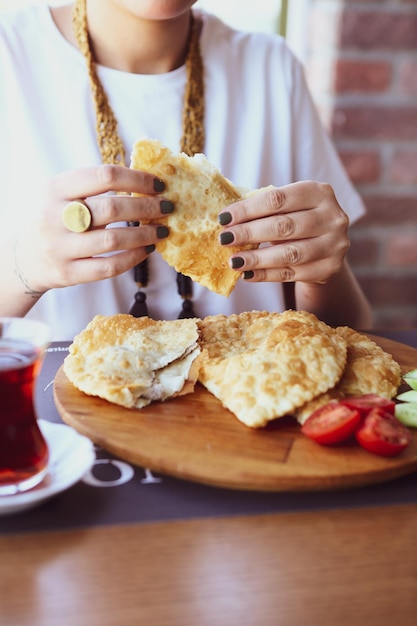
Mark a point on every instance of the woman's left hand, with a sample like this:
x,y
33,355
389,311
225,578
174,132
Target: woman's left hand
x,y
305,226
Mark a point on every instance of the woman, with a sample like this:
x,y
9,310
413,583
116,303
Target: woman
x,y
127,64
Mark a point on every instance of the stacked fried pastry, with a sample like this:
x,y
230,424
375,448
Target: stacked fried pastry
x,y
260,365
369,369
134,361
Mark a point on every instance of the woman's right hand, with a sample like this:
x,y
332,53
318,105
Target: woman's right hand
x,y
48,255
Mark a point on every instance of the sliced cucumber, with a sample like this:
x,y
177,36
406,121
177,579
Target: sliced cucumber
x,y
407,413
411,379
408,396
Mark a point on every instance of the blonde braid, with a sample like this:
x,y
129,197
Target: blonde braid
x,y
109,142
193,136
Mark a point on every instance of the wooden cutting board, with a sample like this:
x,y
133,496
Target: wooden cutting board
x,y
194,438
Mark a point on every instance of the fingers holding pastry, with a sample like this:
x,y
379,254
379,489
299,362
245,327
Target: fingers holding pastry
x,y
306,261
70,243
48,260
305,227
97,180
271,200
105,191
101,267
112,240
110,209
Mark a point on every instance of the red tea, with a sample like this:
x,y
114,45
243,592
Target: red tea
x,y
23,450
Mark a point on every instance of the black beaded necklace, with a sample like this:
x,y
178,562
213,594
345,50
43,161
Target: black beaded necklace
x,y
184,286
111,145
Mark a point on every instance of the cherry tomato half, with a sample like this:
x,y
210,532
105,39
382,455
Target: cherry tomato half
x,y
332,423
364,404
383,434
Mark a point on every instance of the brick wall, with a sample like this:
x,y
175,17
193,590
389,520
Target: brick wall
x,y
362,69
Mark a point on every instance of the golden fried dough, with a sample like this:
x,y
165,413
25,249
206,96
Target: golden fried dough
x,y
199,192
264,365
368,370
134,361
260,365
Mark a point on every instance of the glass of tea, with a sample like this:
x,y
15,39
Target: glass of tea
x,y
23,449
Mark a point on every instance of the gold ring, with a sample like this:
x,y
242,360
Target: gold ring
x,y
76,216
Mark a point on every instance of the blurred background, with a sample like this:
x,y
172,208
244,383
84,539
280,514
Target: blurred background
x,y
360,59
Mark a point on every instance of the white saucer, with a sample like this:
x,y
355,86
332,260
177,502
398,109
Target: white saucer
x,y
71,456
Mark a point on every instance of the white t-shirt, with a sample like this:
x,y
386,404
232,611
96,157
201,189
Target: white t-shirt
x,y
261,129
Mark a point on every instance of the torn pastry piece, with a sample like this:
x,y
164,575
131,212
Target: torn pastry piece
x,y
199,192
264,365
369,369
134,361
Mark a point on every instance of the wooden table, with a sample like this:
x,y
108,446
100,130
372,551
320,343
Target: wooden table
x,y
324,567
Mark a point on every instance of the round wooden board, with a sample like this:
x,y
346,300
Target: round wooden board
x,y
194,438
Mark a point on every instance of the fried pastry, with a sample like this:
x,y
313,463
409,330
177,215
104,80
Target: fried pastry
x,y
199,192
260,365
369,369
264,365
134,361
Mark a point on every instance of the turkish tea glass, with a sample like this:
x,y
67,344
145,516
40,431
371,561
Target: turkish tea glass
x,y
24,452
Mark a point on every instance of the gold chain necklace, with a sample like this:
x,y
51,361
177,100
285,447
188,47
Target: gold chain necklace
x,y
111,146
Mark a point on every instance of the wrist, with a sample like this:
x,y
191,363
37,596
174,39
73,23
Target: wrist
x,y
28,286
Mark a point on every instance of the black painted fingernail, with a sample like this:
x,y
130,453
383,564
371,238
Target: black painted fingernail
x,y
237,262
167,206
248,274
150,248
226,238
225,218
162,232
158,184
